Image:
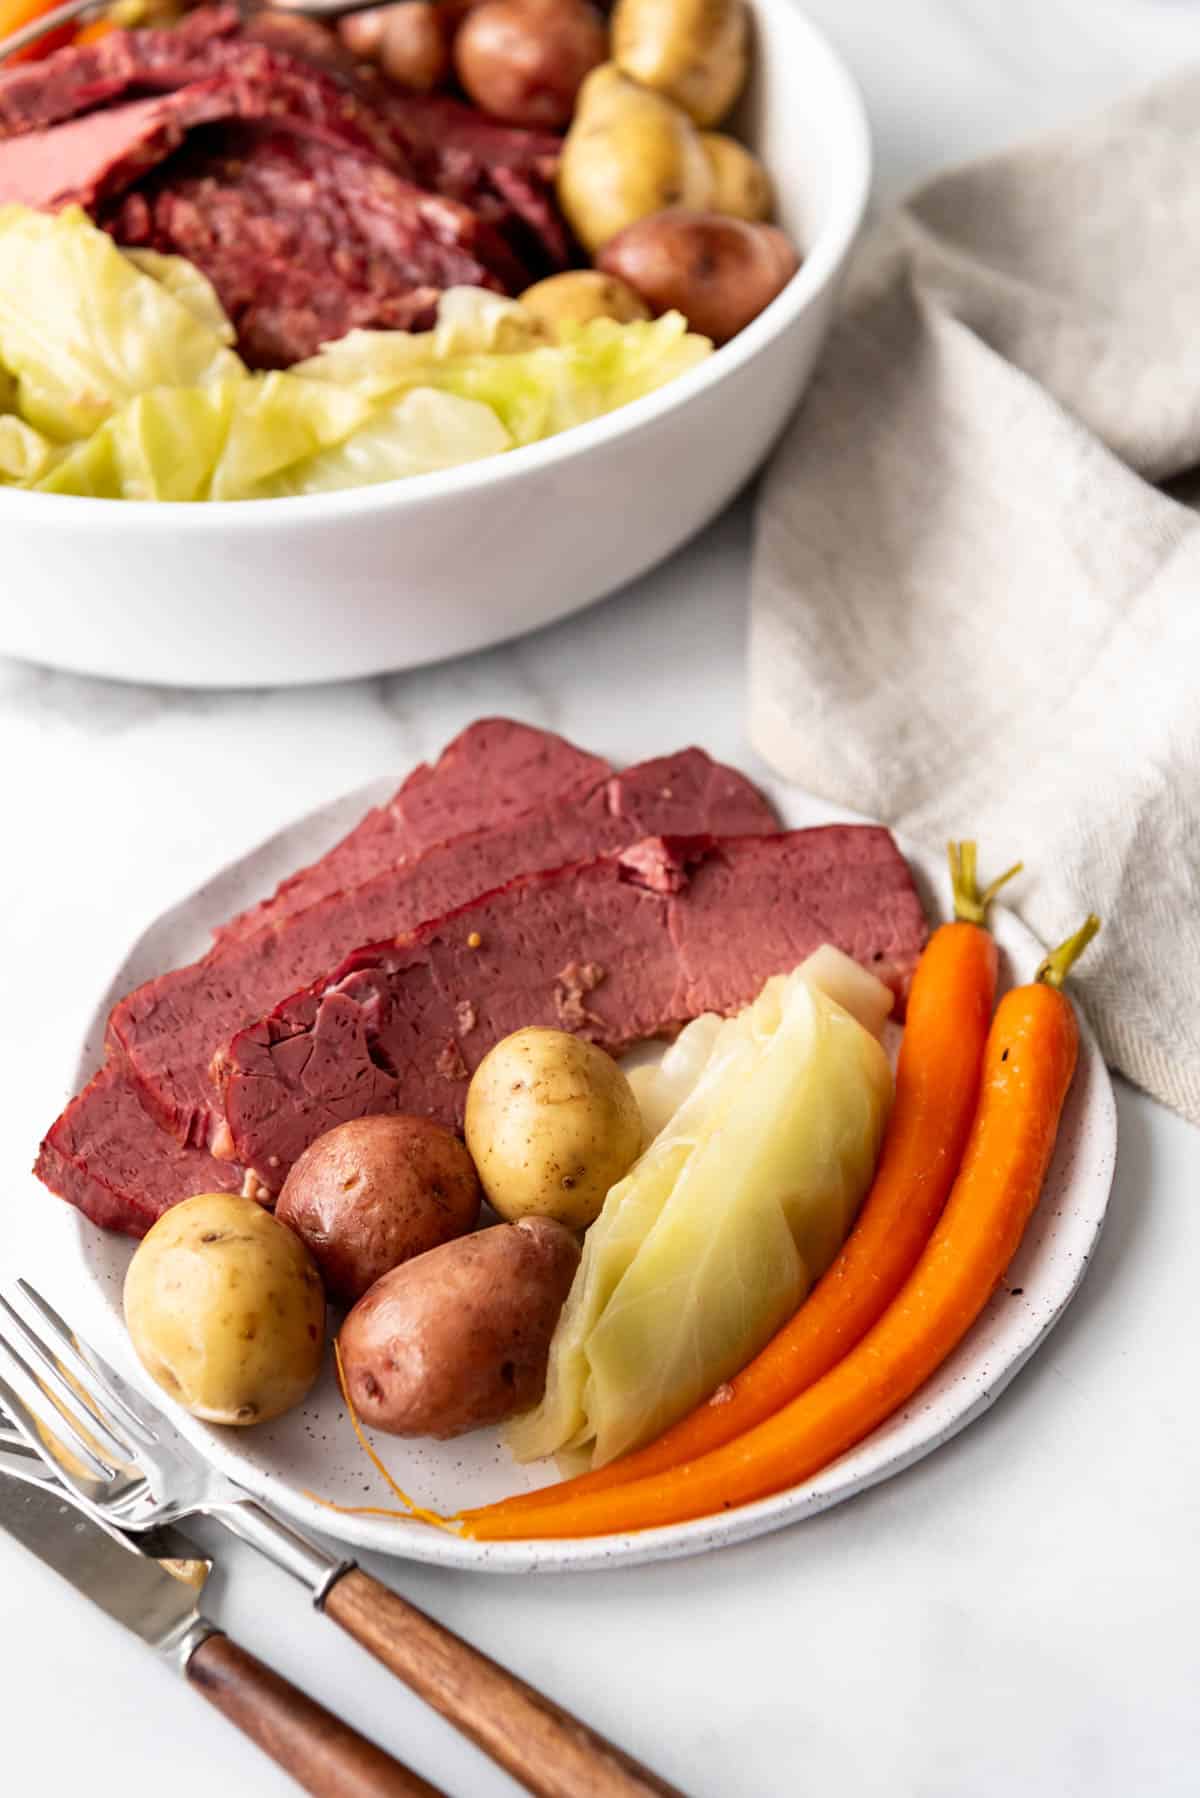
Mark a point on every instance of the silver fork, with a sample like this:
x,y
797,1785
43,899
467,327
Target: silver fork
x,y
21,1461
152,1587
128,1466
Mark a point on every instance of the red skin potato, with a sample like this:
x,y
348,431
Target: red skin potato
x,y
410,41
459,1338
717,270
523,60
374,1193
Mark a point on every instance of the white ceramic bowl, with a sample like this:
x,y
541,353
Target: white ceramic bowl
x,y
279,592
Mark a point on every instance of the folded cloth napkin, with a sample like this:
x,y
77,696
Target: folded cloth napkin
x,y
973,614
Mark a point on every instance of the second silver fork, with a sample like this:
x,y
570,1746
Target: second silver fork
x,y
129,1466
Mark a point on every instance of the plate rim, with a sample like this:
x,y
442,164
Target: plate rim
x,y
868,1464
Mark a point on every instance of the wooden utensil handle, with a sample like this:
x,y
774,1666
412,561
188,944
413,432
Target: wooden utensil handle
x,y
550,1752
323,1754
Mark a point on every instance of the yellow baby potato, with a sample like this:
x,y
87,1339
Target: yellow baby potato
x,y
226,1310
551,1124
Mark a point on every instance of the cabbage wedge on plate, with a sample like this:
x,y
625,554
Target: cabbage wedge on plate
x,y
738,1205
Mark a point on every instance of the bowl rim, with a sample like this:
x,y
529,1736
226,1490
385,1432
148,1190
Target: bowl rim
x,y
822,264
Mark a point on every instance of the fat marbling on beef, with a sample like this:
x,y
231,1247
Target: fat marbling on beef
x,y
621,948
168,1032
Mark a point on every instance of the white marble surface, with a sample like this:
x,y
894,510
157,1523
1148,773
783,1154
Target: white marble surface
x,y
1021,1612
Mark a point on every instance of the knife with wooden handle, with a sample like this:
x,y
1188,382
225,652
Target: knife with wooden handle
x,y
157,1601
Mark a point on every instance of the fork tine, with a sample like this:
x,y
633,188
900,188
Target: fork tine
x,y
12,1440
14,1446
140,1418
22,1464
60,1385
67,1457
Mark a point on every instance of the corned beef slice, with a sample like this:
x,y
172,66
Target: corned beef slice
x,y
304,243
488,774
107,1157
618,949
34,95
504,174
258,83
168,1031
104,152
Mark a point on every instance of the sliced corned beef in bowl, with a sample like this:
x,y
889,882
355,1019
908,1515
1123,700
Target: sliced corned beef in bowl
x,y
316,199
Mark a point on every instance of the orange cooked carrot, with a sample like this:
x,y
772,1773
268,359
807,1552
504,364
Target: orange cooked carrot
x,y
91,34
125,15
937,1085
1028,1065
16,13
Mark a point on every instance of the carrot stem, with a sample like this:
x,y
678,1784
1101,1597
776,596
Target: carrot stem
x,y
970,905
414,1512
1058,964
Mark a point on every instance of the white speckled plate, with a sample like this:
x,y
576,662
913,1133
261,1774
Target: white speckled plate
x,y
313,1449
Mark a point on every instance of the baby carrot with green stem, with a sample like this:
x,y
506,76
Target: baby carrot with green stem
x,y
1029,1062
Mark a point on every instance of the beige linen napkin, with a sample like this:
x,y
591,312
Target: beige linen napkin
x,y
972,614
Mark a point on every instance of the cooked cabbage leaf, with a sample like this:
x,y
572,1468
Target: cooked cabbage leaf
x,y
278,420
423,431
24,453
224,441
535,392
270,435
84,331
118,380
660,1086
470,322
713,1239
191,288
90,470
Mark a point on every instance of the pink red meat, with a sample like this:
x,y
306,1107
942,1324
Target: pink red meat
x,y
87,159
257,82
169,1031
304,243
489,774
617,949
316,198
106,1156
34,95
497,781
